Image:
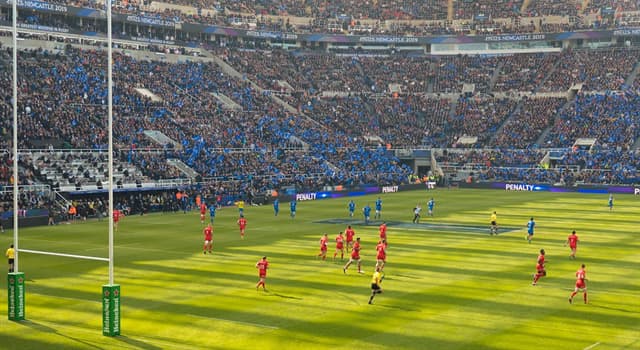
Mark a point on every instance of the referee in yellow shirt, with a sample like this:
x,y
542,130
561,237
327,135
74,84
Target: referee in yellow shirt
x,y
240,205
494,223
376,280
10,254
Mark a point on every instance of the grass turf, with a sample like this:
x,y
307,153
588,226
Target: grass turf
x,y
448,285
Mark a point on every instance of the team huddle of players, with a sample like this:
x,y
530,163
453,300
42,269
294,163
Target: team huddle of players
x,y
355,247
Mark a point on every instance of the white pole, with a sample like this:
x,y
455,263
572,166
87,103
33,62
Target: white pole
x,y
15,134
110,127
65,255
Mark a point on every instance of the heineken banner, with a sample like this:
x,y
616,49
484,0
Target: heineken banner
x,y
111,310
16,296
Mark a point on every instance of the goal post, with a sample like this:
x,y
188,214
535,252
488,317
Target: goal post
x,y
16,287
110,291
110,294
15,279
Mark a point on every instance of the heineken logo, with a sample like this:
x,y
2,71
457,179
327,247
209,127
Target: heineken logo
x,y
11,280
20,280
115,293
106,293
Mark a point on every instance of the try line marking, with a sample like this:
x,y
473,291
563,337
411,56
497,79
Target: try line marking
x,y
234,321
591,346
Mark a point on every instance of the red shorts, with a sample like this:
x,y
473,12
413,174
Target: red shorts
x,y
381,257
339,246
355,257
580,284
263,274
323,249
573,246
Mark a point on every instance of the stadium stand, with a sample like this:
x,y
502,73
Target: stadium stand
x,y
254,117
528,122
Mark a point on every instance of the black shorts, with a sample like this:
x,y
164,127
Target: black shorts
x,y
10,261
375,286
493,223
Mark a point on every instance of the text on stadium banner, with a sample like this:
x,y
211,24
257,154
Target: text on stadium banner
x,y
518,187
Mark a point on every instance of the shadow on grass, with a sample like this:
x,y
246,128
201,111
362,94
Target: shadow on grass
x,y
285,296
136,343
46,329
395,307
600,306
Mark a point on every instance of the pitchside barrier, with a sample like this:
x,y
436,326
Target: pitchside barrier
x,y
542,187
340,191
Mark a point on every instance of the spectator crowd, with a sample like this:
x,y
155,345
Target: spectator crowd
x,y
338,120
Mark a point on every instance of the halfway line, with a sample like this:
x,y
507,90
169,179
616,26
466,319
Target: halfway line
x,y
62,254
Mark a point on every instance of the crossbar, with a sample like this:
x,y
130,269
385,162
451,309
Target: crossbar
x,y
64,255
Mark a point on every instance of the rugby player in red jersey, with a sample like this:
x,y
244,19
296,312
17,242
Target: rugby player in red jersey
x,y
116,218
203,212
381,257
581,283
208,239
383,231
242,223
540,271
324,245
355,257
572,240
262,266
339,246
350,233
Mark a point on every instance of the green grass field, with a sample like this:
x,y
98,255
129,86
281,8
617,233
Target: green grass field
x,y
449,285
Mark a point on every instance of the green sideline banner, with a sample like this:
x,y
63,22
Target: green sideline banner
x,y
16,296
111,310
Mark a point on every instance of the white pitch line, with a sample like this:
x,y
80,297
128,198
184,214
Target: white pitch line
x,y
234,321
592,346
